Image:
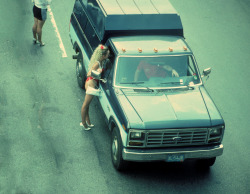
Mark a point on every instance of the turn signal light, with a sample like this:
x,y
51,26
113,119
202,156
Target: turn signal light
x,y
170,49
124,127
123,50
140,50
215,140
185,48
135,143
155,50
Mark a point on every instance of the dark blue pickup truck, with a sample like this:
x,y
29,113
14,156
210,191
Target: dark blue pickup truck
x,y
154,100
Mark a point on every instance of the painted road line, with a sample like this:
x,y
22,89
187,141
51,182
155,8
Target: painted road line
x,y
64,54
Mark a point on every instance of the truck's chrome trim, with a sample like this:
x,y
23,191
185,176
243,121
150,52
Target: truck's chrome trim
x,y
161,154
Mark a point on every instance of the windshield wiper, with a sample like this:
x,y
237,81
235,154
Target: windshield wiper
x,y
131,82
172,83
149,89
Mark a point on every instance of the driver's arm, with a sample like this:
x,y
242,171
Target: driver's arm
x,y
137,74
169,68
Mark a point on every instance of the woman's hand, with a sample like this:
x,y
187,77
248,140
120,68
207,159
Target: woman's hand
x,y
99,70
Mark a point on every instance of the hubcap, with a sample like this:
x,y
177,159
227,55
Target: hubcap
x,y
115,148
79,69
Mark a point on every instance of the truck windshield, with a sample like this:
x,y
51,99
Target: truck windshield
x,y
165,71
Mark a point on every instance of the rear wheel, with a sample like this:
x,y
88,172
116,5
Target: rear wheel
x,y
80,72
116,150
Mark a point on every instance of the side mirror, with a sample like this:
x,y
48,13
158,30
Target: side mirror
x,y
206,72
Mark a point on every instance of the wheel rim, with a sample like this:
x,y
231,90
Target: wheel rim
x,y
115,148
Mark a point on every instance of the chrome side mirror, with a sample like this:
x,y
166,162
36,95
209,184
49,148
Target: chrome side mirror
x,y
206,72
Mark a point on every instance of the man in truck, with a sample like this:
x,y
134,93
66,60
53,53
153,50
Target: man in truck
x,y
160,69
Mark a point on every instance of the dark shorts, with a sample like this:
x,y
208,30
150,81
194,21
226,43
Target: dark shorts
x,y
40,14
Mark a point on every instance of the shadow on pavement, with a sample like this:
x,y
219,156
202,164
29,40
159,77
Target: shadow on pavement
x,y
178,171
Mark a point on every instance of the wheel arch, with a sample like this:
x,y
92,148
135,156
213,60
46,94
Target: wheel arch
x,y
123,134
112,124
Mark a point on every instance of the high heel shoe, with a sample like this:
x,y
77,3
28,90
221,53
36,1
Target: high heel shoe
x,y
86,129
89,125
34,41
42,44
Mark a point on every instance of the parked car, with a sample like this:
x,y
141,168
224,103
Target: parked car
x,y
154,100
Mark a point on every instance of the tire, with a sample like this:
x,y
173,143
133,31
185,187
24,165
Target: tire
x,y
206,163
116,150
80,72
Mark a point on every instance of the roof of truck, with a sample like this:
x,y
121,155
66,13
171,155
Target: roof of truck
x,y
137,7
132,17
150,45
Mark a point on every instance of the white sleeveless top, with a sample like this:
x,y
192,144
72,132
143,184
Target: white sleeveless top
x,y
99,64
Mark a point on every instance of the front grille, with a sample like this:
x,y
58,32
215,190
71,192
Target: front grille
x,y
175,137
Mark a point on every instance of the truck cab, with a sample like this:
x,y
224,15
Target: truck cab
x,y
154,100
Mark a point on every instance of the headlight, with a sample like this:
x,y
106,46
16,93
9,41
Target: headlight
x,y
137,135
215,134
136,138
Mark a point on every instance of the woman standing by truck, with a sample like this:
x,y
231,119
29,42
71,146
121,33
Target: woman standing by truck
x,y
96,63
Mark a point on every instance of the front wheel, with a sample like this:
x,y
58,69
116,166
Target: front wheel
x,y
80,72
116,150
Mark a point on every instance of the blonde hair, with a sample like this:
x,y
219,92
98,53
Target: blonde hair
x,y
97,54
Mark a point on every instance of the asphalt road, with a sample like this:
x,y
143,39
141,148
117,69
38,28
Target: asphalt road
x,y
43,150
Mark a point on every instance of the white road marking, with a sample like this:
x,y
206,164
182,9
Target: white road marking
x,y
64,54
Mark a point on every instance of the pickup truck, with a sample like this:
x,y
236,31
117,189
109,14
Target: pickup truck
x,y
154,100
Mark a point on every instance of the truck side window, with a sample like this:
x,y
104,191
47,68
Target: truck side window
x,y
96,16
83,20
91,36
78,12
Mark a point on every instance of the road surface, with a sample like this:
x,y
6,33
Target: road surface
x,y
43,150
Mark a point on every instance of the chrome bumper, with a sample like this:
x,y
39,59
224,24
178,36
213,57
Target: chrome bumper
x,y
161,154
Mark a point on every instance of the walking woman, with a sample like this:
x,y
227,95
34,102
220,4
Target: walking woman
x,y
40,16
96,63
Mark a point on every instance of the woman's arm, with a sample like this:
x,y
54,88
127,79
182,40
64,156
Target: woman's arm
x,y
94,67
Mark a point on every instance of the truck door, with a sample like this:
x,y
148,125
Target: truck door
x,y
105,95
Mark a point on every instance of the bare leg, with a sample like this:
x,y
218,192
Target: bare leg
x,y
39,30
34,28
85,107
87,117
87,101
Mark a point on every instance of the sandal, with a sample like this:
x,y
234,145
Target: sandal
x,y
86,129
89,125
42,43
